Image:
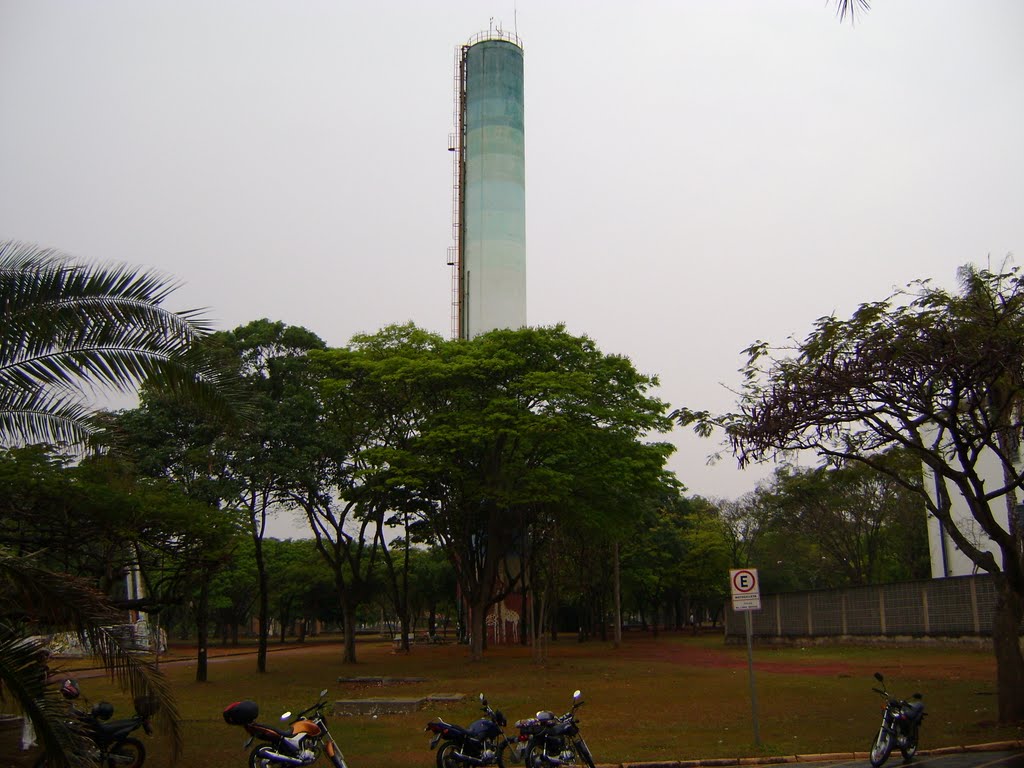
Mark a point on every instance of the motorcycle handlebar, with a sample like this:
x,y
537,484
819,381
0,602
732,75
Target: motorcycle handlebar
x,y
319,705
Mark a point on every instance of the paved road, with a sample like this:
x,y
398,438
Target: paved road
x,y
1004,759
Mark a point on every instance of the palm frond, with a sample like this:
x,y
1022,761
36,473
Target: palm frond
x,y
35,596
43,416
67,327
54,309
23,673
851,8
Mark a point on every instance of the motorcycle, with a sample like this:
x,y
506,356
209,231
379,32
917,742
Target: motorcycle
x,y
301,744
901,722
482,743
556,740
114,746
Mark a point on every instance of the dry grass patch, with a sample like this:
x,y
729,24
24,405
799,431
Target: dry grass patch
x,y
670,698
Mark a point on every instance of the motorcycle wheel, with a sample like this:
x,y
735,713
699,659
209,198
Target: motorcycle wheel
x,y
130,753
533,757
910,748
256,758
507,754
336,758
584,752
881,748
446,755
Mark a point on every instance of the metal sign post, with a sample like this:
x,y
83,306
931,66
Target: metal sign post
x,y
746,597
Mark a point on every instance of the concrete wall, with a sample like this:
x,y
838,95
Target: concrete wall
x,y
959,606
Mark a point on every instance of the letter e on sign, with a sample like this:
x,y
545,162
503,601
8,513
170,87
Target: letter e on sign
x,y
746,589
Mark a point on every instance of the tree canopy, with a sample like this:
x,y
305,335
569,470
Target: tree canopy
x,y
937,374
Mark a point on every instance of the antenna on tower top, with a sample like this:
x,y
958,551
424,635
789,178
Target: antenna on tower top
x,y
515,21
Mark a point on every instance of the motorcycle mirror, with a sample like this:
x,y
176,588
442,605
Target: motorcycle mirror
x,y
878,677
576,694
286,715
917,696
482,699
323,693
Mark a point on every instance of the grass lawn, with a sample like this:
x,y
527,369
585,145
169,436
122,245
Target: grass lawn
x,y
670,698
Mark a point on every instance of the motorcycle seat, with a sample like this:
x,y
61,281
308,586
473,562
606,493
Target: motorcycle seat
x,y
116,727
914,709
259,729
449,729
530,726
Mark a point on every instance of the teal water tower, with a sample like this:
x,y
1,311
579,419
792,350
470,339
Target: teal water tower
x,y
489,255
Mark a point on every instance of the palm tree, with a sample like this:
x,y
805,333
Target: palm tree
x,y
33,596
851,8
67,329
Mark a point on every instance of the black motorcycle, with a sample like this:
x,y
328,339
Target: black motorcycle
x,y
556,740
482,743
901,722
114,745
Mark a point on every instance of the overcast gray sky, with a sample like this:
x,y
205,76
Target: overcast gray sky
x,y
699,174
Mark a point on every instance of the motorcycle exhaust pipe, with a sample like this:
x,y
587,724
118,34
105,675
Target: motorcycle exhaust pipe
x,y
277,757
469,759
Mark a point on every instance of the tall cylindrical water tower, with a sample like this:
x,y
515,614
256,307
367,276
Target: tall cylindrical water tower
x,y
489,280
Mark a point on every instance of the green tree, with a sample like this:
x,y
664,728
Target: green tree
x,y
182,444
66,328
232,464
651,563
432,587
941,376
706,557
298,585
510,425
867,527
368,406
259,455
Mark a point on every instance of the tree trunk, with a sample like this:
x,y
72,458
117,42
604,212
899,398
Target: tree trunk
x,y
1009,610
618,599
202,627
348,620
537,629
405,629
263,618
477,628
523,603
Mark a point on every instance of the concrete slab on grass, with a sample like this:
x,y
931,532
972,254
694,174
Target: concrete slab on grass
x,y
377,705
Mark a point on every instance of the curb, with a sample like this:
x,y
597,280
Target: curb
x,y
717,762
